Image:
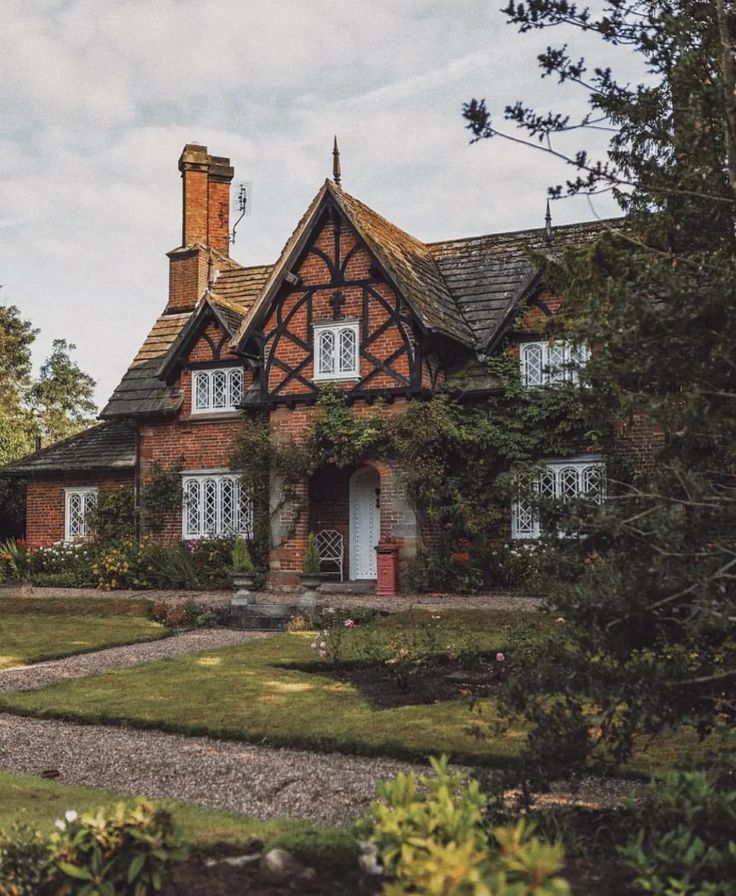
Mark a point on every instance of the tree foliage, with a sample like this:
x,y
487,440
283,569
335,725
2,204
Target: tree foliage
x,y
650,599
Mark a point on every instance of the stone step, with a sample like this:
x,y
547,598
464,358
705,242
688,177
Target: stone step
x,y
366,587
261,617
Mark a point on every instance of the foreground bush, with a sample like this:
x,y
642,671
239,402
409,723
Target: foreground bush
x,y
686,838
124,852
429,835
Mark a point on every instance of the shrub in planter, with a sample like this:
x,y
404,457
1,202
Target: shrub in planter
x,y
242,562
123,852
311,564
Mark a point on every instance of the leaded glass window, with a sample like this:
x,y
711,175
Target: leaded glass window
x,y
218,389
559,480
78,505
551,362
215,504
336,350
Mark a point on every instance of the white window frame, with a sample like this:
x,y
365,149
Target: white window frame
x,y
336,329
205,381
213,505
86,495
545,363
587,475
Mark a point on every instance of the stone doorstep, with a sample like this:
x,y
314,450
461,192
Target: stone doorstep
x,y
367,587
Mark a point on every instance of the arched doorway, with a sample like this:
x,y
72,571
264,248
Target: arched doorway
x,y
365,522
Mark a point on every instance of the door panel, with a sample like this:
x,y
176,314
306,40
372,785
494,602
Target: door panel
x,y
365,523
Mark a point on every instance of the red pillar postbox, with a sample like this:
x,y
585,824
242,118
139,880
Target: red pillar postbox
x,y
387,558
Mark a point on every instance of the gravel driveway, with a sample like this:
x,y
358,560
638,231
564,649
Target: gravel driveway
x,y
261,781
38,675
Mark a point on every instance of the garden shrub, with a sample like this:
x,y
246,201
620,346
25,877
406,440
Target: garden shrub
x,y
67,563
430,835
242,561
15,558
458,573
23,858
311,556
122,852
686,838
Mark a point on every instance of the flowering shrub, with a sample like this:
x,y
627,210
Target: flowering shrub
x,y
14,559
328,643
518,565
118,565
124,852
458,572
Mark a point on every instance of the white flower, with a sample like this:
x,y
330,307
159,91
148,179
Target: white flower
x,y
323,644
60,824
71,815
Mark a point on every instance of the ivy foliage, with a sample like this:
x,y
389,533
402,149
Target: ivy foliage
x,y
160,496
451,453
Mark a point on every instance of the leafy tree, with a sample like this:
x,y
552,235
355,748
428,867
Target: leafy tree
x,y
649,585
62,397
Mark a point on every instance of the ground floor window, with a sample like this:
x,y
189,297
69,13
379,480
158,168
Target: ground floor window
x,y
78,506
560,480
215,504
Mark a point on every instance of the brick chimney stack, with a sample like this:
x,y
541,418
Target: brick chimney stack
x,y
205,224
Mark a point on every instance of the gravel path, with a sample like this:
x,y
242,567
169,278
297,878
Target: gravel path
x,y
38,675
221,599
261,781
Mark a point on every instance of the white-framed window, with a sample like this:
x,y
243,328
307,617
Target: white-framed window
x,y
336,354
215,503
78,504
558,480
543,363
216,389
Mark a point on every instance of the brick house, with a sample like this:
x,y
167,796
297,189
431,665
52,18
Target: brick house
x,y
353,301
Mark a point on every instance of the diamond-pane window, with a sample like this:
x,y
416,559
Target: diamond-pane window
x,y
551,362
336,349
215,505
216,390
78,505
561,481
326,352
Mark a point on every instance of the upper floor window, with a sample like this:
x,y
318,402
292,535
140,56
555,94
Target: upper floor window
x,y
215,504
78,506
551,362
336,350
217,389
562,481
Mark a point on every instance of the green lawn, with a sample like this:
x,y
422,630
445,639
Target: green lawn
x,y
35,629
245,693
37,803
262,692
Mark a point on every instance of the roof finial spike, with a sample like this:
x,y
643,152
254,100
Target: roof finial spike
x,y
548,225
336,162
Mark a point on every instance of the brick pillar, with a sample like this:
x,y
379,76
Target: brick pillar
x,y
289,530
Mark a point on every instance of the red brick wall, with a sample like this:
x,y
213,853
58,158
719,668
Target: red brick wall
x,y
188,272
45,503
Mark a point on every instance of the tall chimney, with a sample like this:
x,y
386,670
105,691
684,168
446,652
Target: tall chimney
x,y
205,224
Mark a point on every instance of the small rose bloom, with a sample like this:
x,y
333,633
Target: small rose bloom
x,y
322,645
71,815
323,653
60,824
500,658
349,623
560,619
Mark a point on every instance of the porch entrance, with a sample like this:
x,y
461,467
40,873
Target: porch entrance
x,y
365,522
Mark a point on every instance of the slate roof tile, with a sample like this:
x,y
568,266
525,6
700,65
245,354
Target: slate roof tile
x,y
105,447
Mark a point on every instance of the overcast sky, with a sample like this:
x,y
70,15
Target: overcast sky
x,y
98,97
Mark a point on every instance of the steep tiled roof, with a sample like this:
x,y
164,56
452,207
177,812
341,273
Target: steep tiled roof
x,y
141,391
486,273
107,447
413,266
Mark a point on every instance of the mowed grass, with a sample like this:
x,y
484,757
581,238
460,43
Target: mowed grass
x,y
36,803
36,629
272,692
248,693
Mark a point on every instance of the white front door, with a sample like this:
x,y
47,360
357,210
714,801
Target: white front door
x,y
365,522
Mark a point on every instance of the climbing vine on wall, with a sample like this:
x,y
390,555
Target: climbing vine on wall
x,y
160,496
455,455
